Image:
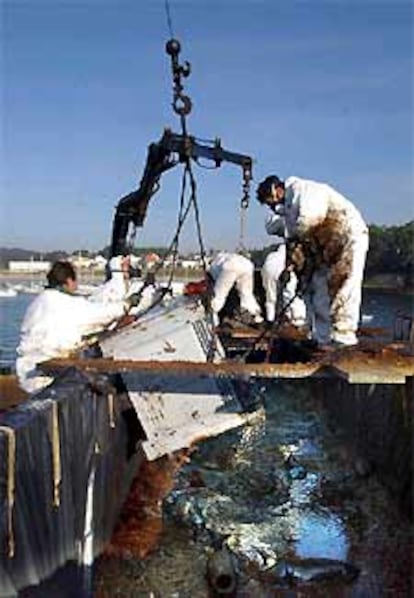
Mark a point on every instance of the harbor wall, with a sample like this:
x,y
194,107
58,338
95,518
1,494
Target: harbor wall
x,y
377,421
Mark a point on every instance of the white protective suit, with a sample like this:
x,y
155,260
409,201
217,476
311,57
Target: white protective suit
x,y
228,269
54,325
294,307
318,214
116,287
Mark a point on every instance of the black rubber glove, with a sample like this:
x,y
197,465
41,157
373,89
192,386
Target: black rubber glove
x,y
284,278
133,300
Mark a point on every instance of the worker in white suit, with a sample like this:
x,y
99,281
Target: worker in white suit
x,y
57,320
291,305
232,269
117,285
334,239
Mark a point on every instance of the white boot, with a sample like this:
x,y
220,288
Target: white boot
x,y
270,311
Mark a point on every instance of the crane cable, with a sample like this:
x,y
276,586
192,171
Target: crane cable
x,y
184,210
197,217
169,20
182,107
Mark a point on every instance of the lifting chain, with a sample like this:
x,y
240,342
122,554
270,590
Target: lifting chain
x,y
244,204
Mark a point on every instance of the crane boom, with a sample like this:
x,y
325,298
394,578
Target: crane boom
x,y
163,155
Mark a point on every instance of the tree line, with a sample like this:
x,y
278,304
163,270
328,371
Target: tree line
x,y
391,251
390,255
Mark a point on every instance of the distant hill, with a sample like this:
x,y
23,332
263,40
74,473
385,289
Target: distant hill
x,y
17,253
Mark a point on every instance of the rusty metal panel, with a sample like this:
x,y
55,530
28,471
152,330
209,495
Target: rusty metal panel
x,y
186,368
355,366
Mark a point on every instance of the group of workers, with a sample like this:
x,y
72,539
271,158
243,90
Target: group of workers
x,y
312,276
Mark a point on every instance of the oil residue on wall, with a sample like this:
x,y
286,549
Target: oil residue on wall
x,y
139,528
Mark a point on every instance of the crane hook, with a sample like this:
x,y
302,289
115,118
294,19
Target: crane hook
x,y
182,104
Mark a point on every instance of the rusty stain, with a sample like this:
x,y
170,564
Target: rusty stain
x,y
285,330
139,527
10,392
328,244
372,331
169,348
125,321
179,367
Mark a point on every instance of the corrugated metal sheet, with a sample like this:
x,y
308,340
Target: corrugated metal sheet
x,y
62,436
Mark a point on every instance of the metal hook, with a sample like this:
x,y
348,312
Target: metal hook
x,y
181,104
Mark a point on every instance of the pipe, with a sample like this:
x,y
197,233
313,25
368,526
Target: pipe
x,y
221,573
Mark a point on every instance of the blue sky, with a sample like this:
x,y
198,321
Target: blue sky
x,y
318,89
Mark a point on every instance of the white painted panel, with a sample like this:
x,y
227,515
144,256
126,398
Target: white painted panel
x,y
175,411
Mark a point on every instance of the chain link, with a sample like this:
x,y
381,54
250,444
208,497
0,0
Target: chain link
x,y
244,204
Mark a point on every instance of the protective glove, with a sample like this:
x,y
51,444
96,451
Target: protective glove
x,y
134,272
132,301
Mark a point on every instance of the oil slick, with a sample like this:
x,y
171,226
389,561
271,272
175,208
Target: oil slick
x,y
312,570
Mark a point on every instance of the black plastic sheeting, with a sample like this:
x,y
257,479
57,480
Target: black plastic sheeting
x,y
47,535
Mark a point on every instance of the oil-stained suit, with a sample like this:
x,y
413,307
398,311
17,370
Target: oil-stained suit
x,y
335,243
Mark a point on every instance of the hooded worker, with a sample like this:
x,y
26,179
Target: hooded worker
x,y
232,269
334,239
56,321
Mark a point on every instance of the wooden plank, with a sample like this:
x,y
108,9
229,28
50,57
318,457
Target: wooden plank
x,y
357,366
185,368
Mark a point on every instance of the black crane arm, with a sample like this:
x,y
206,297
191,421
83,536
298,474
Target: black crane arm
x,y
170,150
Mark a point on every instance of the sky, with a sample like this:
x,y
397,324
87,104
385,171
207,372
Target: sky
x,y
321,89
